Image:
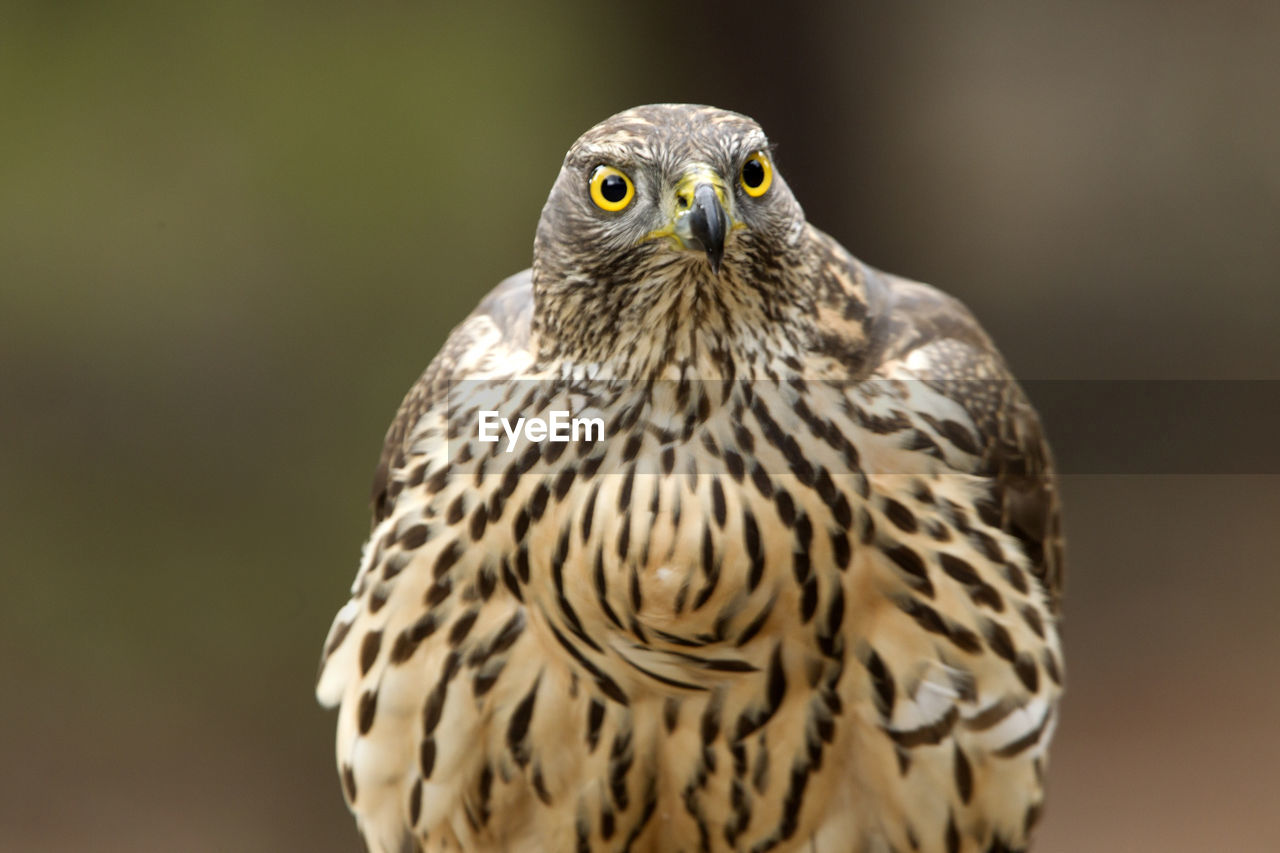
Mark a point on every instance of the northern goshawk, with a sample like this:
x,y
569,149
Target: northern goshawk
x,y
794,585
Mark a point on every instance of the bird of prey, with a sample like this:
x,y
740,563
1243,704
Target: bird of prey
x,y
794,586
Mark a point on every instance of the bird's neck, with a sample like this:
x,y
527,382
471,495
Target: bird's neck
x,y
689,323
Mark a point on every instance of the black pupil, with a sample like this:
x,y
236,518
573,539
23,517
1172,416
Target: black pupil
x,y
753,173
614,188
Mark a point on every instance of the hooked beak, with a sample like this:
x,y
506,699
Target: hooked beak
x,y
708,223
703,223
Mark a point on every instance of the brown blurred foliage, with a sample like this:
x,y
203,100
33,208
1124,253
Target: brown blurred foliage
x,y
232,234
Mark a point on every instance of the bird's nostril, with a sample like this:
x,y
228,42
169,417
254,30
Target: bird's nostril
x,y
682,202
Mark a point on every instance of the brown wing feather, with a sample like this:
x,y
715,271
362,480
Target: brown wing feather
x,y
499,325
1014,453
904,317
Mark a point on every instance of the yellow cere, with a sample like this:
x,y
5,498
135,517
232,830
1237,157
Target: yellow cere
x,y
756,175
682,198
689,183
611,190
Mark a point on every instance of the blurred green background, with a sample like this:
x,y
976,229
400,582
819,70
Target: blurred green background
x,y
232,234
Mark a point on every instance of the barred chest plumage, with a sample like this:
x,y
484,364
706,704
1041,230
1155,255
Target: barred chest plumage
x,y
724,616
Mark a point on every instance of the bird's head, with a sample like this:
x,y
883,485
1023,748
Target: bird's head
x,y
657,205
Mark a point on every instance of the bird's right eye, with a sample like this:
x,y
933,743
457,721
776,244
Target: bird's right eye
x,y
611,190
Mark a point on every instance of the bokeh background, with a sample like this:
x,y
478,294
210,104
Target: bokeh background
x,y
232,234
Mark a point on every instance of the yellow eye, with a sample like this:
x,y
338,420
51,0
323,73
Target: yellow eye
x,y
756,175
610,189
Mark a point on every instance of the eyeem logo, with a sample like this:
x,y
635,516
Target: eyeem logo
x,y
559,427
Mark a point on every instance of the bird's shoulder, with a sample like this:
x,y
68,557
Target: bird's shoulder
x,y
493,340
881,326
867,319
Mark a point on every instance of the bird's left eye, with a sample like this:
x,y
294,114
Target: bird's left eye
x,y
756,175
611,190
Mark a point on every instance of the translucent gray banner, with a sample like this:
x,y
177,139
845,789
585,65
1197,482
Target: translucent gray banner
x,y
1095,427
